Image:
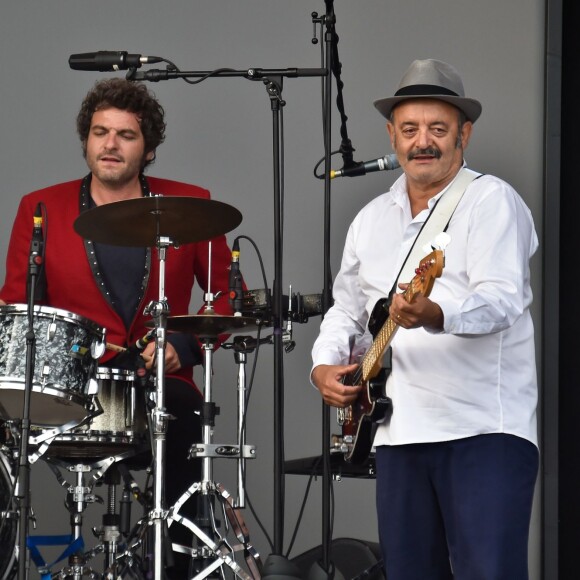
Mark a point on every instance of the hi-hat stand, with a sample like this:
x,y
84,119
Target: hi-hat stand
x,y
213,549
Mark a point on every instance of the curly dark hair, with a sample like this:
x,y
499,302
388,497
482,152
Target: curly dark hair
x,y
127,96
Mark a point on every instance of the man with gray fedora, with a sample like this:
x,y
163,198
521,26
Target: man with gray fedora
x,y
456,450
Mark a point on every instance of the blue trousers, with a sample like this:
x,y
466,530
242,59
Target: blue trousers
x,y
456,509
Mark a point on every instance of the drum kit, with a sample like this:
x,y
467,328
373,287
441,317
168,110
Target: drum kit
x,y
88,418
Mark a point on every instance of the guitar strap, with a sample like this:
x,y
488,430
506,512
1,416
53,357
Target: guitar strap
x,y
437,222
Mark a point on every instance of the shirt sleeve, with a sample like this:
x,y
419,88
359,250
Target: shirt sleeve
x,y
187,348
14,289
345,322
500,242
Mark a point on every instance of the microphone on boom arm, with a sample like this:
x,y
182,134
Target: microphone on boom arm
x,y
386,163
107,60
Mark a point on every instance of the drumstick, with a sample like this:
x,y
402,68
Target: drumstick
x,y
117,348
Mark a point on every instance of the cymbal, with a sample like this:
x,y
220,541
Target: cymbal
x,y
210,325
139,222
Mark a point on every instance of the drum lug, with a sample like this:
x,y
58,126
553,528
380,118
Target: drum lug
x,y
92,387
98,347
51,329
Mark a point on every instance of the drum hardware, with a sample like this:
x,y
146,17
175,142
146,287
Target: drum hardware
x,y
159,221
156,217
242,346
41,441
119,558
212,550
116,543
297,307
78,497
115,526
8,516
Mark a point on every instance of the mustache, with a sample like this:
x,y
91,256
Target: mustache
x,y
432,151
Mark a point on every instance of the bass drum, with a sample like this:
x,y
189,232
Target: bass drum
x,y
8,517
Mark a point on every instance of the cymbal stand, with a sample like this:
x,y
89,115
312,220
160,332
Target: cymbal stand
x,y
159,310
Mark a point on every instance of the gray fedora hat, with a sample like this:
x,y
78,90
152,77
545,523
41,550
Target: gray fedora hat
x,y
431,79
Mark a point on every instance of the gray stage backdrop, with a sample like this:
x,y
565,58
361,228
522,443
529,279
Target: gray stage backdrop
x,y
220,136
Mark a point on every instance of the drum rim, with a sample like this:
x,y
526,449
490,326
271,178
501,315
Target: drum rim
x,y
51,389
67,315
105,372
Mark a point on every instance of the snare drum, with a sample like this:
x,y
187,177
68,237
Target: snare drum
x,y
121,429
67,347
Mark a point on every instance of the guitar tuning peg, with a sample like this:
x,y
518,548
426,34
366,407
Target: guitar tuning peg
x,y
442,240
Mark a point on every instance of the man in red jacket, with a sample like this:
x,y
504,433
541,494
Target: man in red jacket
x,y
120,125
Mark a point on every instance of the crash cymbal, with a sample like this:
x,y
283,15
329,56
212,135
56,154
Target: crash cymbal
x,y
210,325
139,222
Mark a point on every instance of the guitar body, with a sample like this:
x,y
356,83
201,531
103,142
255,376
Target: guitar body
x,y
379,316
358,420
361,417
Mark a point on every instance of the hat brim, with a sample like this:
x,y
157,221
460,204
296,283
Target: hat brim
x,y
470,107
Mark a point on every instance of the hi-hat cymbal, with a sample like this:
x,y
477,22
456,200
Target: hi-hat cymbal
x,y
140,222
210,325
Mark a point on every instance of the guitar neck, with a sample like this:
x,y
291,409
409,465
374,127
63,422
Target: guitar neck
x,y
371,363
429,269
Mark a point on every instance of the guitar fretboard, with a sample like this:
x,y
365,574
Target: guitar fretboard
x,y
377,349
371,362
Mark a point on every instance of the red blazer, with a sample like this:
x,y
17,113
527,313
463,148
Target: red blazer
x,y
71,284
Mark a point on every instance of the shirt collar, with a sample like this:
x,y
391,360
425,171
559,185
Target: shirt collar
x,y
399,189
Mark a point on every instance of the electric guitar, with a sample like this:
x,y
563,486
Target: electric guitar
x,y
359,419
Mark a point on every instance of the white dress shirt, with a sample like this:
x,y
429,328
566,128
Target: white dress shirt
x,y
479,374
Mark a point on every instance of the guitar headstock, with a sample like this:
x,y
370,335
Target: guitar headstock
x,y
430,267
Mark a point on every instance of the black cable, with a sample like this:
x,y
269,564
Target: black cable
x,y
303,506
251,380
346,149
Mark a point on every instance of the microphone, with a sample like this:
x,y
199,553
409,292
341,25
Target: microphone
x,y
142,342
236,291
36,257
132,356
105,60
385,163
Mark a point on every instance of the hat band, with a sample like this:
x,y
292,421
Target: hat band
x,y
424,90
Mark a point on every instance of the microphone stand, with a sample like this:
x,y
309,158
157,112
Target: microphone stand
x,y
276,565
23,488
324,568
